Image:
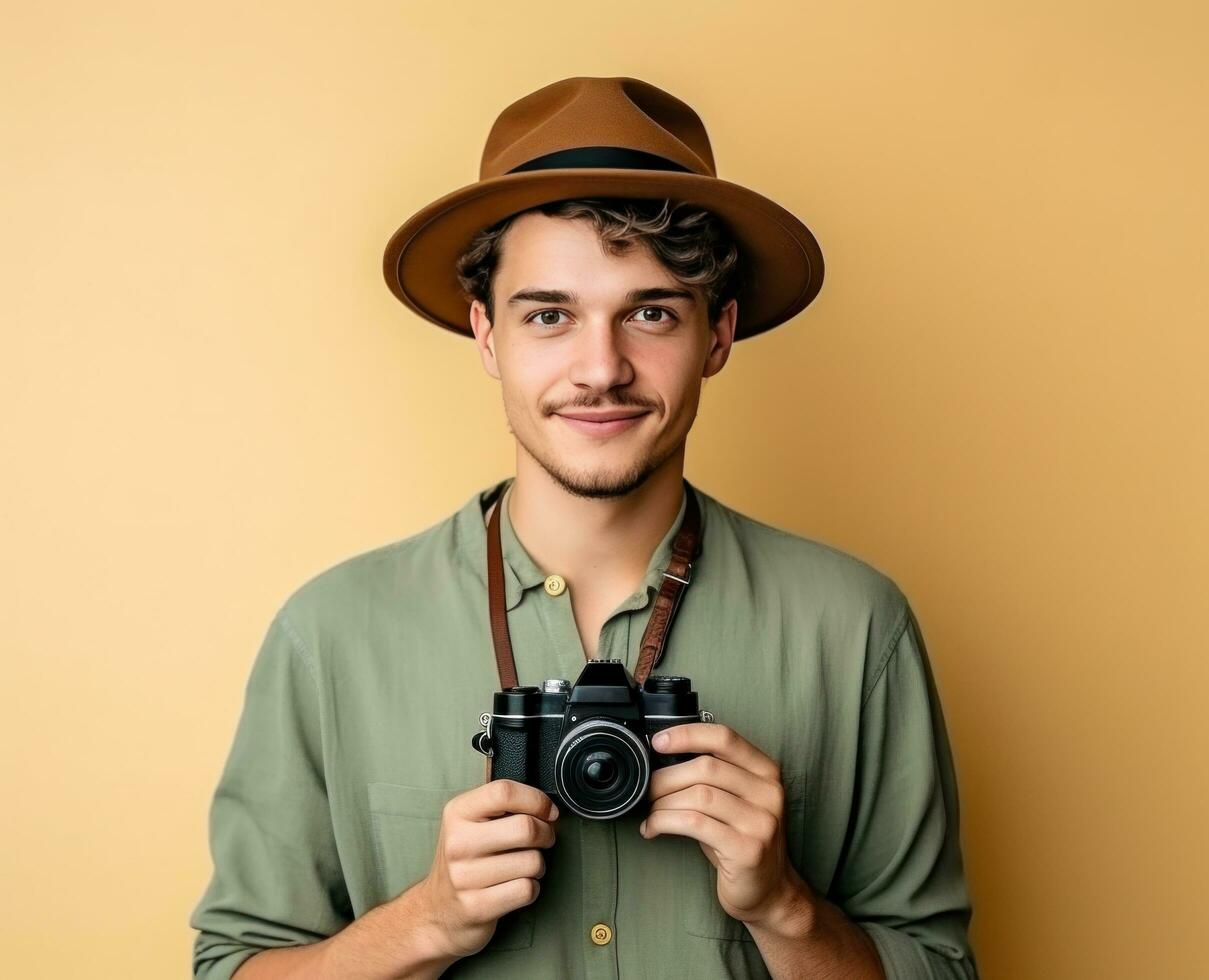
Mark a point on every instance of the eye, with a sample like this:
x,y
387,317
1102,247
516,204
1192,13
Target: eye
x,y
544,323
660,309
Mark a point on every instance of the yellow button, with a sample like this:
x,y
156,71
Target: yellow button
x,y
555,584
601,934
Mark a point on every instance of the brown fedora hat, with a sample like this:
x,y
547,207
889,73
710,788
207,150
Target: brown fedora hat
x,y
601,137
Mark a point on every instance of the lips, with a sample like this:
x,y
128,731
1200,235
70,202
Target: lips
x,y
601,416
602,423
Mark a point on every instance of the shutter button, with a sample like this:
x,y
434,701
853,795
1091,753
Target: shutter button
x,y
555,584
601,934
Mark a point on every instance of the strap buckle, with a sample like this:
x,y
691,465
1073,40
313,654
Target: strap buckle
x,y
688,574
486,719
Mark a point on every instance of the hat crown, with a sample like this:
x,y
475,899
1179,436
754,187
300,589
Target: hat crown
x,y
588,111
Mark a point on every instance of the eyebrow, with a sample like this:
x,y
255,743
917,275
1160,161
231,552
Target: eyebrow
x,y
633,296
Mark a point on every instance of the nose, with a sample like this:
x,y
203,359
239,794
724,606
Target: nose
x,y
599,361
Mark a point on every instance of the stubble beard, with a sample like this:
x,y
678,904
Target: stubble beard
x,y
597,482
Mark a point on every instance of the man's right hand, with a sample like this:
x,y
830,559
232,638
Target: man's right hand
x,y
487,862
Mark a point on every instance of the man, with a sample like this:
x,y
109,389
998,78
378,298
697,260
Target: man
x,y
814,833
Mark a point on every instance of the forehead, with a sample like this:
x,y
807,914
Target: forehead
x,y
539,250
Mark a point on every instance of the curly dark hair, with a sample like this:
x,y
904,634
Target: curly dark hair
x,y
694,245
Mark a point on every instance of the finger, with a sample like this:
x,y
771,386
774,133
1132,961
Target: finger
x,y
699,826
712,771
471,839
491,869
493,902
749,820
501,796
719,740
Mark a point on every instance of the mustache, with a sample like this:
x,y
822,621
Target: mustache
x,y
597,404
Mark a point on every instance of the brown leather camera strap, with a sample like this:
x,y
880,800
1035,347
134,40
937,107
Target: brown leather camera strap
x,y
675,578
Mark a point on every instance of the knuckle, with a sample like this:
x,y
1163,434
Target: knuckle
x,y
465,906
524,890
771,826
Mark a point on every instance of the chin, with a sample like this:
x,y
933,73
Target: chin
x,y
585,475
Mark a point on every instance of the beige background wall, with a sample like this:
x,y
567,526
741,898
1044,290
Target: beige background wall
x,y
999,398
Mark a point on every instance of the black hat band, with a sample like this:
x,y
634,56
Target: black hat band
x,y
601,156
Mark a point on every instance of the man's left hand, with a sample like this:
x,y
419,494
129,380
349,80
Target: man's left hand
x,y
729,799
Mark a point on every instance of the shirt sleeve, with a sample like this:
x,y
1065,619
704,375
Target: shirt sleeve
x,y
901,878
277,879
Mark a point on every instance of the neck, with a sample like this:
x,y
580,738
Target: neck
x,y
594,539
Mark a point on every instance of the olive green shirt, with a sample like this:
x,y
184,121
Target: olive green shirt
x,y
362,701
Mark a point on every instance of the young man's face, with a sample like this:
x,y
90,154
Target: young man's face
x,y
595,349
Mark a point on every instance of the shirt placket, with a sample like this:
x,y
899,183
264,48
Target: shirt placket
x,y
598,838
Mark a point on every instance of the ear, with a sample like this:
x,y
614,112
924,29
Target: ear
x,y
484,337
722,338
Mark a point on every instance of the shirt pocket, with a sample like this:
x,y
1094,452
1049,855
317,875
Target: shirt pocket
x,y
701,913
406,822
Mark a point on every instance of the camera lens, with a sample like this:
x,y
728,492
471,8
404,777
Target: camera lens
x,y
602,769
667,684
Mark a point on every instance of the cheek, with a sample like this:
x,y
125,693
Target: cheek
x,y
527,384
681,396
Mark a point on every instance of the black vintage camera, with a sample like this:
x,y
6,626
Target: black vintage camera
x,y
588,746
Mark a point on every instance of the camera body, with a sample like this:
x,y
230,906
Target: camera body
x,y
587,746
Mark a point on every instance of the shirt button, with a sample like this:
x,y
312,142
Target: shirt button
x,y
555,584
601,934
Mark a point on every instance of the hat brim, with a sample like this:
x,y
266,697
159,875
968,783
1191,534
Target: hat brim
x,y
784,264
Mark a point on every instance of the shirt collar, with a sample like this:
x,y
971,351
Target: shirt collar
x,y
521,573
